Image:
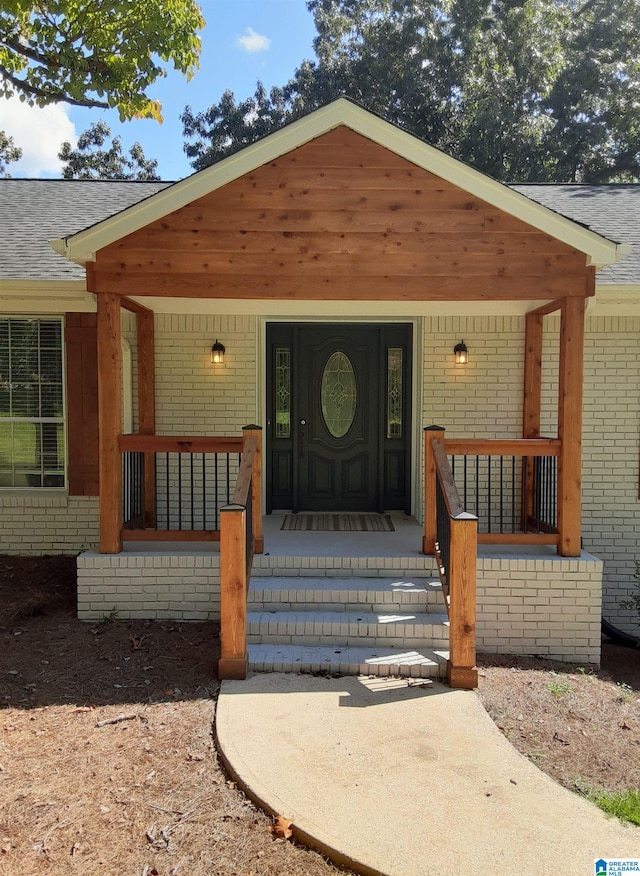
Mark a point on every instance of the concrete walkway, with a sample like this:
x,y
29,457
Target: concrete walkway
x,y
406,778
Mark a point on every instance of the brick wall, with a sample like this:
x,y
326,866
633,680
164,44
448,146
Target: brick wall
x,y
546,607
194,397
149,585
47,523
611,457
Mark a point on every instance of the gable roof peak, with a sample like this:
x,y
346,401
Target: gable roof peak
x,y
81,247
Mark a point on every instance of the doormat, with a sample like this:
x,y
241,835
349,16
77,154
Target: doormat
x,y
337,523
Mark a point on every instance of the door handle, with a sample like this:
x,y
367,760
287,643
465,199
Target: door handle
x,y
302,435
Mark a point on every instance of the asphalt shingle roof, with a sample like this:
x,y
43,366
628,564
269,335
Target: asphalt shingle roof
x,y
610,210
33,212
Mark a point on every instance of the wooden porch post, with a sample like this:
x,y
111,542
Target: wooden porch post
x,y
147,403
532,375
570,387
462,671
429,537
233,660
109,421
532,402
256,488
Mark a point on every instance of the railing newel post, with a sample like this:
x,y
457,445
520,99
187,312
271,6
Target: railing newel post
x,y
429,537
462,671
233,661
256,487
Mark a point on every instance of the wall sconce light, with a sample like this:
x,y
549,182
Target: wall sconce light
x,y
217,353
461,353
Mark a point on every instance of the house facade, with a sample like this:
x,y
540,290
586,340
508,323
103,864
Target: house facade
x,y
339,262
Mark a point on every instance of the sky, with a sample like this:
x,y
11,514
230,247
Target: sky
x,y
243,41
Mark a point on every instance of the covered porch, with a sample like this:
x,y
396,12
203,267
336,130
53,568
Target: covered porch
x,y
343,218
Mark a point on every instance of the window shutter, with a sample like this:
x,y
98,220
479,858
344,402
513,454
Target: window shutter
x,y
82,403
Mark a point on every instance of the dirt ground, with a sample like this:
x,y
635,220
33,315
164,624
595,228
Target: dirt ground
x,y
107,763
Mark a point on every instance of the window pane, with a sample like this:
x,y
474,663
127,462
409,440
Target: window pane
x,y
283,392
32,452
51,334
338,394
25,400
394,392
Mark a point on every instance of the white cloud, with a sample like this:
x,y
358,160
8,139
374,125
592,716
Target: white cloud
x,y
251,41
39,132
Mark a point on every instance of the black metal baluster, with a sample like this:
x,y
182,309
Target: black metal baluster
x,y
204,491
502,494
465,474
167,486
513,494
191,479
179,491
489,493
217,504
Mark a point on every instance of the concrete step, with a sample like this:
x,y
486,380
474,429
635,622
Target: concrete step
x,y
344,594
400,629
336,660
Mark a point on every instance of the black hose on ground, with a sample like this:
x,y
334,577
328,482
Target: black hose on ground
x,y
618,636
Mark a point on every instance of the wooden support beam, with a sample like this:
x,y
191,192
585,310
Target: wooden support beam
x,y
147,402
256,487
110,422
546,309
429,537
570,389
135,306
532,403
233,662
532,375
461,666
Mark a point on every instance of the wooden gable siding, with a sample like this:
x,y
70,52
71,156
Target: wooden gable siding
x,y
341,218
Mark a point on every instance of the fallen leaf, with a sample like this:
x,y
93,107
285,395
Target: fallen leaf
x,y
281,829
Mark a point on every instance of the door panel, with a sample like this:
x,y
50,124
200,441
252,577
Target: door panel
x,y
337,408
338,417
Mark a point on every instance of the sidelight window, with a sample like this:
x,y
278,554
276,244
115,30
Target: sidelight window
x,y
394,392
283,392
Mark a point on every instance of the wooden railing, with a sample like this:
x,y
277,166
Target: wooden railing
x,y
455,548
510,485
173,489
240,537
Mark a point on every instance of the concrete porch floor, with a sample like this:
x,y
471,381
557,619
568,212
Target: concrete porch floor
x,y
405,541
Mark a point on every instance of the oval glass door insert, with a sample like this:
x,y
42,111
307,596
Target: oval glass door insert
x,y
338,394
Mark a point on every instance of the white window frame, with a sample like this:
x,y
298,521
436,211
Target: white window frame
x,y
56,420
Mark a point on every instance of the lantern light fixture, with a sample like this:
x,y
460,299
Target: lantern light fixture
x,y
461,353
217,353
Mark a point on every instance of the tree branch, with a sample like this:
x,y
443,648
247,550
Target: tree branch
x,y
51,96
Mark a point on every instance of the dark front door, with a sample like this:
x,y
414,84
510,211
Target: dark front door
x,y
338,431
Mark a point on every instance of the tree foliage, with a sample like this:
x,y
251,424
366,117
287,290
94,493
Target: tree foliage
x,y
8,152
96,53
525,90
89,160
